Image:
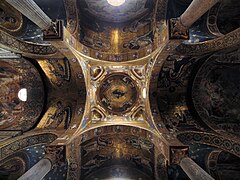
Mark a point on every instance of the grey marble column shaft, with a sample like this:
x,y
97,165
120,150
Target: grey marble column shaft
x,y
38,171
195,10
32,11
194,171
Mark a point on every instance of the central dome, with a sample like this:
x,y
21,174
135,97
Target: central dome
x,y
118,93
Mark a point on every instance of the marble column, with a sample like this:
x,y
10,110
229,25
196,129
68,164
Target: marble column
x,y
5,54
193,171
195,10
38,171
32,11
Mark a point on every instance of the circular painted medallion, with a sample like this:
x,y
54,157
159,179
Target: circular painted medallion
x,y
118,93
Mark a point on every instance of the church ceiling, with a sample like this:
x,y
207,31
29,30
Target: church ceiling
x,y
61,75
20,82
104,11
113,33
119,91
116,89
135,153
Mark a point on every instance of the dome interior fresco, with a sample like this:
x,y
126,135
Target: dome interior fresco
x,y
17,113
119,89
106,29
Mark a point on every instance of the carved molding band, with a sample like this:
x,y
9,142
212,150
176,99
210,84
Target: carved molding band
x,y
231,39
23,142
26,48
215,140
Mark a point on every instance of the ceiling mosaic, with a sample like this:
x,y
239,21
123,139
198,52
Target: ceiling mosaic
x,y
100,90
117,41
14,166
118,93
61,75
218,159
228,18
102,10
22,94
131,152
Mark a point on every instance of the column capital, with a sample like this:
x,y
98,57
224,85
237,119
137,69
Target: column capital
x,y
56,154
178,153
177,30
54,32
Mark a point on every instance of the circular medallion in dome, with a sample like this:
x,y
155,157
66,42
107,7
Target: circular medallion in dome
x,y
118,93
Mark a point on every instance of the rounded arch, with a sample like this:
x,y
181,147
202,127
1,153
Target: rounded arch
x,y
16,144
21,153
223,165
116,147
14,166
225,143
214,92
228,16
